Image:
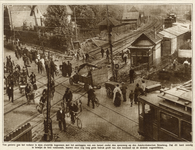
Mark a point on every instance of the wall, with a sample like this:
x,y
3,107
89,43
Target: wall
x,y
157,54
23,16
180,40
184,53
173,45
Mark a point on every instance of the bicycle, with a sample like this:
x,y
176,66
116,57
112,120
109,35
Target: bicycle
x,y
40,108
96,101
65,108
77,119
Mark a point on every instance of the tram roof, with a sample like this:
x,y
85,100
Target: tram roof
x,y
176,98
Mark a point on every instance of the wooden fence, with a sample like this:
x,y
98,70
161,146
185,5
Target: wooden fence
x,y
24,133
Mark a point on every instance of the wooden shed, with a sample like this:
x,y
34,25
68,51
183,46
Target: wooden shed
x,y
173,38
169,43
146,49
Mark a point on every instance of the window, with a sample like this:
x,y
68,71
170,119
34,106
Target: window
x,y
186,131
169,123
150,113
140,108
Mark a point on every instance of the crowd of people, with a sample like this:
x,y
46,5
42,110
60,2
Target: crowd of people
x,y
120,93
17,76
68,106
45,63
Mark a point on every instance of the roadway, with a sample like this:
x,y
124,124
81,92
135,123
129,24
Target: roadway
x,y
104,123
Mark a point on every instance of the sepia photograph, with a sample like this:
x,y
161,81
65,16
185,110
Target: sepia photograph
x,y
103,72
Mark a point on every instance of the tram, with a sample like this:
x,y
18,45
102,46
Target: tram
x,y
166,115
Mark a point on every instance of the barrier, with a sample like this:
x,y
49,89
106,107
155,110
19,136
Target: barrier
x,y
24,133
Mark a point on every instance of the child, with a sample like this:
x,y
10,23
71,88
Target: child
x,y
131,97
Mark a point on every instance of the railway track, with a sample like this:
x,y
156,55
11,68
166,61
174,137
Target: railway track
x,y
118,46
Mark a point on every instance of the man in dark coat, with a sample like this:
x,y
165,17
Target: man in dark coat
x,y
131,75
69,68
67,96
87,57
124,91
107,54
73,109
91,96
10,92
27,91
64,69
32,78
61,119
102,52
136,93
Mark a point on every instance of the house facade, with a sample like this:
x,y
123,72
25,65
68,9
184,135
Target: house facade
x,y
28,16
132,17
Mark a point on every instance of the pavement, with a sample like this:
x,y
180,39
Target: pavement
x,y
104,123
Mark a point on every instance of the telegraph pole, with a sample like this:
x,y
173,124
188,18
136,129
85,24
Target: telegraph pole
x,y
48,136
109,28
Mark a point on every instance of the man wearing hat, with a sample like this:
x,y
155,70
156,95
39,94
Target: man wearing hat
x,y
131,75
124,91
61,119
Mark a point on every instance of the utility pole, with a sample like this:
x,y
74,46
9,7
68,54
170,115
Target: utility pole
x,y
75,23
48,136
109,28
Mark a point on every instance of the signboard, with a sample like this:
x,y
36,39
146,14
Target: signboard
x,y
100,76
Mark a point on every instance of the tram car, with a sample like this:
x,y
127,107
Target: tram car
x,y
171,18
166,115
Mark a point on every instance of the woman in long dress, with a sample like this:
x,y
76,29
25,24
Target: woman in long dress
x,y
117,96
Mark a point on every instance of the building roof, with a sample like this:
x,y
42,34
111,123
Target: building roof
x,y
42,8
20,14
111,21
130,15
167,35
154,38
133,9
147,39
19,7
176,30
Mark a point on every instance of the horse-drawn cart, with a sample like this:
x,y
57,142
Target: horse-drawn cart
x,y
89,74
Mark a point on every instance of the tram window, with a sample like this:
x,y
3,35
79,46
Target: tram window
x,y
169,123
186,131
150,112
140,108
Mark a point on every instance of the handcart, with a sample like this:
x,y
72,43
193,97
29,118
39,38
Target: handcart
x,y
90,75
